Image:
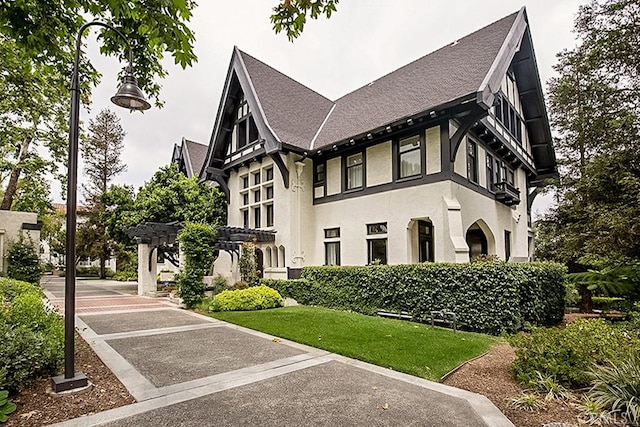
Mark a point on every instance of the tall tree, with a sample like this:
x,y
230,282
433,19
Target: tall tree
x,y
101,152
595,109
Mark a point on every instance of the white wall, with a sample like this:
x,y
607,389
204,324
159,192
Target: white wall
x,y
10,229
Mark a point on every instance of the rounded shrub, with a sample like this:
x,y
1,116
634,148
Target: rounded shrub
x,y
254,298
23,261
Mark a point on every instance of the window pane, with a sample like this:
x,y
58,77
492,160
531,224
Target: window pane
x,y
379,228
253,130
410,157
256,217
256,178
245,218
256,196
245,199
354,177
355,159
378,251
268,174
269,215
245,181
242,133
332,253
269,193
409,144
320,173
331,232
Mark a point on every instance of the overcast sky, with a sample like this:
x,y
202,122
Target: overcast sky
x,y
364,40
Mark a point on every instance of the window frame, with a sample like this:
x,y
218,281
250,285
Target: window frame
x,y
370,243
398,155
269,215
329,231
372,232
472,161
346,168
257,217
336,244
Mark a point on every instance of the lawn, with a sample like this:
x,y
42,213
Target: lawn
x,y
413,348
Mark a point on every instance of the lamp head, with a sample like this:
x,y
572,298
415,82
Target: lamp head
x,y
129,94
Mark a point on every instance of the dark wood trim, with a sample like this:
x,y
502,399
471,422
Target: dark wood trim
x,y
467,122
282,167
363,151
446,165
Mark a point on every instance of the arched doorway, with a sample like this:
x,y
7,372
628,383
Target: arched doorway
x,y
477,241
259,262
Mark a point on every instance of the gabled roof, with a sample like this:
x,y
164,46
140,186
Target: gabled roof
x,y
190,157
469,70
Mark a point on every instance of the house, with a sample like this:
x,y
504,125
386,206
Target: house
x,y
189,156
436,161
14,224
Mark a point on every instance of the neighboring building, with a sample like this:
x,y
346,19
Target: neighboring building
x,y
436,161
189,157
12,225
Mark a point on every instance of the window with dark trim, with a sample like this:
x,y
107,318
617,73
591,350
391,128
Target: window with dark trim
x,y
355,171
269,215
490,175
256,178
410,157
377,228
245,181
268,174
245,218
245,129
507,115
331,232
256,217
319,175
256,195
507,245
269,191
472,161
332,253
377,251
245,199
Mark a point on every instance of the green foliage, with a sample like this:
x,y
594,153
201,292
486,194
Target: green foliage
x,y
32,336
487,296
291,15
23,261
196,241
527,402
219,284
125,276
551,389
6,407
567,355
253,298
248,264
616,388
171,196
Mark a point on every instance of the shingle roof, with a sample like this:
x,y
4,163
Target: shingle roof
x,y
303,118
293,111
197,154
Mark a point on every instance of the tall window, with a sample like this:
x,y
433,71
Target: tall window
x,y
355,171
377,247
490,176
472,161
410,157
269,215
269,191
245,218
319,174
510,119
244,129
507,245
332,253
425,241
256,217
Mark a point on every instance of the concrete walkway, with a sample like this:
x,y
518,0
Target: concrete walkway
x,y
190,370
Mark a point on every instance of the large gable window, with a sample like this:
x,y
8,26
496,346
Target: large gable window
x,y
510,119
355,171
410,157
245,131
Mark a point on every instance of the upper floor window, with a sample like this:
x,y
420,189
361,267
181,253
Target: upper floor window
x,y
245,129
355,171
269,191
410,157
256,178
268,174
269,215
490,174
510,119
472,161
319,174
245,181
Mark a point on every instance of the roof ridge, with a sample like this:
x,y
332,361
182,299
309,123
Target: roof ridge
x,y
284,75
426,55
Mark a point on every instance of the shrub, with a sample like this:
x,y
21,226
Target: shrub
x,y
567,355
487,296
196,241
298,289
23,261
125,276
248,265
253,298
616,387
32,337
219,284
92,272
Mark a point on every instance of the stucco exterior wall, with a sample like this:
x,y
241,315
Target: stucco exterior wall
x,y
379,165
10,229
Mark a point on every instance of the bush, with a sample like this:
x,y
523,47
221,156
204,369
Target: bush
x,y
32,337
92,272
23,261
196,241
125,276
298,289
486,296
616,388
253,298
567,355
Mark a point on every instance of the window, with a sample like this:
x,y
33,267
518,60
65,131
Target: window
x,y
245,181
331,233
425,241
269,191
355,171
511,177
508,116
268,174
331,253
410,157
253,131
507,245
378,228
256,178
256,217
245,199
256,196
245,218
269,215
244,130
472,161
490,176
498,176
377,251
319,174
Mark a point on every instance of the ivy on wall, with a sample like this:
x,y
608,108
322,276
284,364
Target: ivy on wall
x,y
196,242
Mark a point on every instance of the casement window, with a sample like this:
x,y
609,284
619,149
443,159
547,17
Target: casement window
x,y
507,245
507,115
256,178
268,174
355,171
269,209
409,157
256,196
245,181
256,217
332,253
245,199
269,191
319,174
245,218
245,130
377,247
472,161
490,174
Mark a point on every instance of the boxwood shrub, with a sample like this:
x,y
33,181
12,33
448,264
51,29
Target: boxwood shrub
x,y
491,297
253,298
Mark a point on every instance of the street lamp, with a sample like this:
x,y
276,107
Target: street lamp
x,y
128,96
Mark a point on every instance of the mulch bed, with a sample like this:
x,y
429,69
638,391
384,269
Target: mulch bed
x,y
38,406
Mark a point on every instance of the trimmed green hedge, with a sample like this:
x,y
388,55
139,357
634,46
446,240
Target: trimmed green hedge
x,y
491,297
253,298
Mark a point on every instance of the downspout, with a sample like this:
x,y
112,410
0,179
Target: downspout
x,y
298,187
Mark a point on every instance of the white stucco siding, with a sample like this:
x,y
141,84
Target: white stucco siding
x,y
460,165
482,166
10,229
334,176
432,140
379,164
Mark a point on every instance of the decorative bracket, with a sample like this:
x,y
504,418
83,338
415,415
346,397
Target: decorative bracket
x,y
277,159
467,122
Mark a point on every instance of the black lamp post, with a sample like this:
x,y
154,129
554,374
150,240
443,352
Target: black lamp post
x,y
128,96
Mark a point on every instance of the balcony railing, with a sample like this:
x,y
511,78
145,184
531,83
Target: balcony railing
x,y
506,193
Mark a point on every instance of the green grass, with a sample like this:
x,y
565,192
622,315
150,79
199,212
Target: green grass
x,y
400,345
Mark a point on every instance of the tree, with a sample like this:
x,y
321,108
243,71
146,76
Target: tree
x,y
291,15
118,215
101,152
595,108
170,196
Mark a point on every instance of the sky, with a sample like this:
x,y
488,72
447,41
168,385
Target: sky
x,y
363,40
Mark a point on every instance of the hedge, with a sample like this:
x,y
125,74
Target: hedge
x,y
253,298
490,297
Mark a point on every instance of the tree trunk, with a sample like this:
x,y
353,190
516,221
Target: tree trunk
x,y
586,299
12,186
